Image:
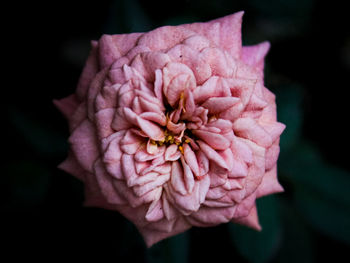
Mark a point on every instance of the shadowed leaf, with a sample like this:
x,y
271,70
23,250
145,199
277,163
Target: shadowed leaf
x,y
259,247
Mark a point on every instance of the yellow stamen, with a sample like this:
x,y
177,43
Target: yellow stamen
x,y
153,142
181,149
182,95
187,141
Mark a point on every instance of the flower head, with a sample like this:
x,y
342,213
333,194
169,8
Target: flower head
x,y
174,128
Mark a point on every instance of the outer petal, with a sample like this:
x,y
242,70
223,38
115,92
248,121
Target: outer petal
x,y
71,165
67,105
90,70
227,34
84,145
254,55
269,184
251,220
152,236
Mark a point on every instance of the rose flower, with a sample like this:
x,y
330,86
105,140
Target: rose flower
x,y
174,128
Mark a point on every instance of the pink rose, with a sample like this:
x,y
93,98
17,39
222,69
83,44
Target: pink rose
x,y
174,128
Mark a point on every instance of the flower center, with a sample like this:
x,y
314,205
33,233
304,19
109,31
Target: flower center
x,y
170,138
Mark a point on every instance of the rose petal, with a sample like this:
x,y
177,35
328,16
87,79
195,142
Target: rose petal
x,y
84,145
214,140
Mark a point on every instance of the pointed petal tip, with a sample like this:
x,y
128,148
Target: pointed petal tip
x,y
235,17
67,105
240,13
279,188
250,220
258,227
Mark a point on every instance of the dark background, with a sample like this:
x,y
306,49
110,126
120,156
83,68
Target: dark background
x,y
308,68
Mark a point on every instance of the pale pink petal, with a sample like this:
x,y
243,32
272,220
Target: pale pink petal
x,y
142,155
216,193
107,98
271,155
158,83
152,130
169,211
218,62
275,129
90,70
251,220
105,182
71,165
125,42
176,78
163,168
203,163
94,88
153,61
224,125
112,155
172,153
212,154
188,176
154,117
164,37
244,207
248,128
67,105
269,184
155,211
214,140
228,32
177,178
216,105
207,216
104,120
254,55
197,42
130,143
120,122
143,189
108,51
207,90
153,236
191,159
84,145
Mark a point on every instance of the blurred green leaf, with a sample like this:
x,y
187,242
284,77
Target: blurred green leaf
x,y
137,18
127,16
28,182
171,250
41,137
284,9
179,20
130,238
289,101
259,247
327,216
305,167
297,243
321,191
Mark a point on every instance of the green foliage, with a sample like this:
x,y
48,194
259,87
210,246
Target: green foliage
x,y
28,182
297,242
172,250
260,247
